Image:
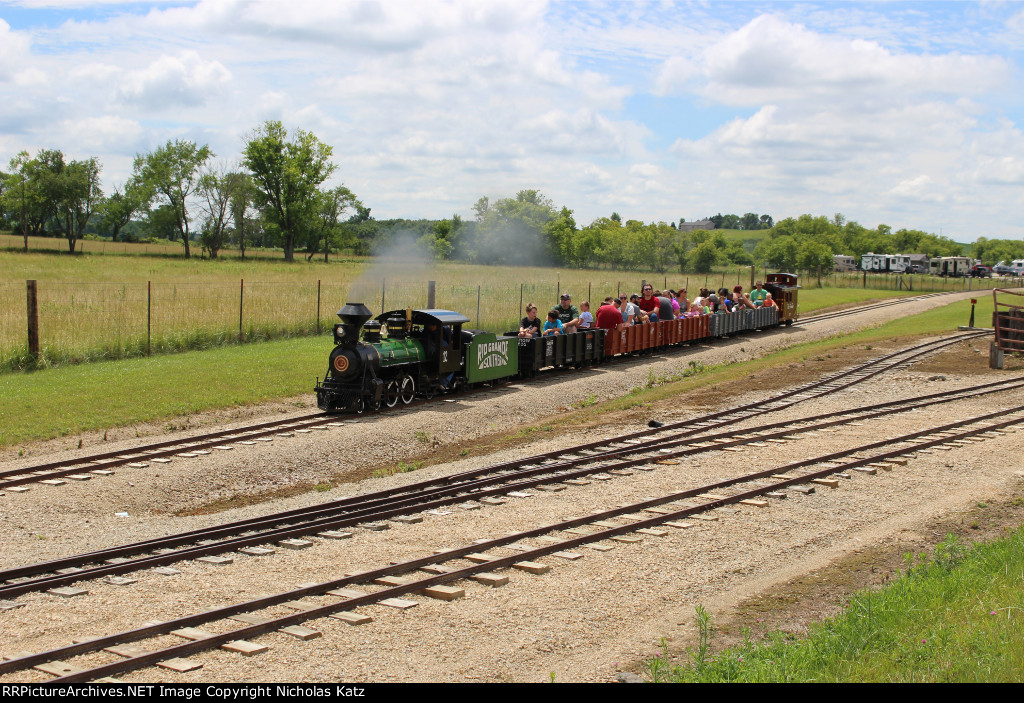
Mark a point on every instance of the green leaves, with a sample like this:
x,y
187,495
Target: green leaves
x,y
287,176
172,172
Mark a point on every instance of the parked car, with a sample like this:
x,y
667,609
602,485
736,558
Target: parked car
x,y
917,268
1004,270
981,272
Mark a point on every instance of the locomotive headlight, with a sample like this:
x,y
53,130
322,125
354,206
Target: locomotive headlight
x,y
339,333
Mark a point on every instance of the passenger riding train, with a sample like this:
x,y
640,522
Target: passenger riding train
x,y
405,354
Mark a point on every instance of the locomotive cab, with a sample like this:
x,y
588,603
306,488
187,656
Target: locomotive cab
x,y
440,335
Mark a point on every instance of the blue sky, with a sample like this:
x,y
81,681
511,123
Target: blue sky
x,y
902,113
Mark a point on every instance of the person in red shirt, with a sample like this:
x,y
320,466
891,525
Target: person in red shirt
x,y
608,316
649,303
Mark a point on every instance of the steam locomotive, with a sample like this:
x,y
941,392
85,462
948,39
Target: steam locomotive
x,y
408,353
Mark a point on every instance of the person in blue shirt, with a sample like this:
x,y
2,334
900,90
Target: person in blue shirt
x,y
553,326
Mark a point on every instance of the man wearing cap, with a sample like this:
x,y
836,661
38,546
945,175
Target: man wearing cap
x,y
568,314
758,295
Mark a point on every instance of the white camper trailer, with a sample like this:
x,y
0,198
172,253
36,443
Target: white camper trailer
x,y
955,266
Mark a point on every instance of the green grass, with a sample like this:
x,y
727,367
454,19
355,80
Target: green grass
x,y
821,298
954,617
57,402
95,307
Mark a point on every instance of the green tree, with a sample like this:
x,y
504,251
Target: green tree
x,y
287,176
330,206
513,231
218,188
21,197
243,214
161,223
750,221
125,202
703,257
561,234
172,172
75,196
779,252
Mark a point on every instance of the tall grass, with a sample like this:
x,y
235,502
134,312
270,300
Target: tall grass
x,y
112,307
954,616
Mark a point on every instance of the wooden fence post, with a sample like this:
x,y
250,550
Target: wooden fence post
x,y
241,297
521,298
149,318
432,295
318,306
383,291
478,306
33,319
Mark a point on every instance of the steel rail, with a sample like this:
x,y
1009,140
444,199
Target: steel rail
x,y
320,518
423,495
136,662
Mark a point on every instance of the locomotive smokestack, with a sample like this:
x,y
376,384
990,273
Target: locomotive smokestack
x,y
353,315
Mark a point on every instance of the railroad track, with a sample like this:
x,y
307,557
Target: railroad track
x,y
487,483
240,622
867,308
102,464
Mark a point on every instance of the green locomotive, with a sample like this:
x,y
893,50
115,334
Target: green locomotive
x,y
405,353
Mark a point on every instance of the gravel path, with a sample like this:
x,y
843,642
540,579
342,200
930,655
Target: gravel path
x,y
582,621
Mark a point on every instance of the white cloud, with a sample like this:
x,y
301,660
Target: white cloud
x,y
429,105
14,49
184,79
919,188
105,133
771,59
676,75
363,25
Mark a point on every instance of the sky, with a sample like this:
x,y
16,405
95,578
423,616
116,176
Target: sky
x,y
900,113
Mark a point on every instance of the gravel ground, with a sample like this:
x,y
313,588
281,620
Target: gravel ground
x,y
584,620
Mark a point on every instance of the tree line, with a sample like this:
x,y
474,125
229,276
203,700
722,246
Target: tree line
x,y
530,229
272,197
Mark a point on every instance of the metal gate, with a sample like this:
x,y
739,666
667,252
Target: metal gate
x,y
1008,320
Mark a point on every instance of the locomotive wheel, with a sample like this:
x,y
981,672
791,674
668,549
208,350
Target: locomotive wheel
x,y
358,406
391,394
408,392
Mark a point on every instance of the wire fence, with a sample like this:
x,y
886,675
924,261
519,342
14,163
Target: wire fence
x,y
87,321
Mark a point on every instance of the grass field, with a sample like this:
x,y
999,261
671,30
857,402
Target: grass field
x,y
67,400
953,617
111,307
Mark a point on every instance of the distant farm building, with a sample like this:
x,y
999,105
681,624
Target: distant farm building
x,y
693,226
